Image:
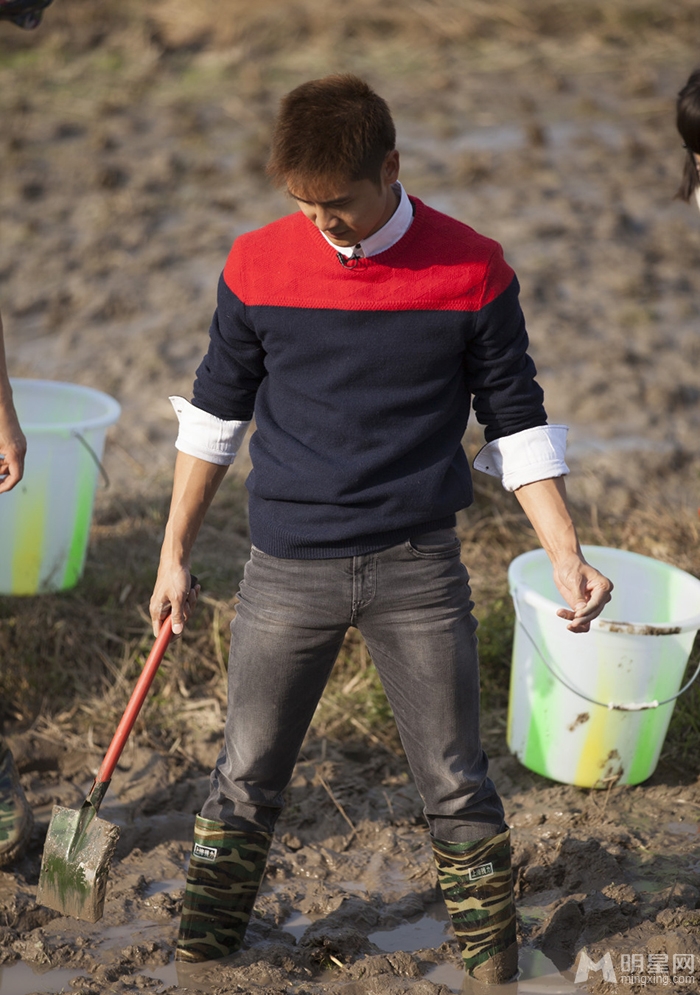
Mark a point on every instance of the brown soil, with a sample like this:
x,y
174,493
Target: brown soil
x,y
132,154
349,902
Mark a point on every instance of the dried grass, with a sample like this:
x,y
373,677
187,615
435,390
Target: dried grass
x,y
75,656
70,660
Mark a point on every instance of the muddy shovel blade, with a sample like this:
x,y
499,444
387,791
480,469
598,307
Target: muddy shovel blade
x,y
79,846
75,867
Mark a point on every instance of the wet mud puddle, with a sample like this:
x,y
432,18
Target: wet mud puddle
x,y
426,932
25,979
22,978
538,976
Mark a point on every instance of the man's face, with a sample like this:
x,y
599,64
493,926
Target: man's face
x,y
348,210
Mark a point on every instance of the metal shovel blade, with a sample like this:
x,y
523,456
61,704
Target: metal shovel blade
x,y
79,846
78,851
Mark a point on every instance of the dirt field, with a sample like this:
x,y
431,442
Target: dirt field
x,y
133,148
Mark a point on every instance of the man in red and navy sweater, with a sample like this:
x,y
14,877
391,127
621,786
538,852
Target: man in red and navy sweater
x,y
359,331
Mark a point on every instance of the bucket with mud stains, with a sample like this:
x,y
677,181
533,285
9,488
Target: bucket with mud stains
x,y
592,709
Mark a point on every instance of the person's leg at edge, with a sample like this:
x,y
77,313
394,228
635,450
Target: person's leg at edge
x,y
16,819
422,637
283,646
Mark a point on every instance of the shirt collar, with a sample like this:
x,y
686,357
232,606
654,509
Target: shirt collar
x,y
388,235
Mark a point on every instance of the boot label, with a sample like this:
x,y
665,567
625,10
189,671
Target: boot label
x,y
207,852
476,873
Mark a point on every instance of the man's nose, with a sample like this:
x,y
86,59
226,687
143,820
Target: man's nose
x,y
324,219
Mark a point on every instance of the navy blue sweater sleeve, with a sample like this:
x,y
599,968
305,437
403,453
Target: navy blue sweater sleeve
x,y
234,367
499,372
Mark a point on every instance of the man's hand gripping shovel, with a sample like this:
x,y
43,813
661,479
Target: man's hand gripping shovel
x,y
79,846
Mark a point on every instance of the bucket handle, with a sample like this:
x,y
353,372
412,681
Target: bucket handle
x,y
98,463
611,705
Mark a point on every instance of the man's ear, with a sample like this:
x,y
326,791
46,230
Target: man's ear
x,y
390,167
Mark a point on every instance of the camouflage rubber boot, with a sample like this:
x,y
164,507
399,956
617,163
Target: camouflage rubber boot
x,y
477,883
16,819
226,869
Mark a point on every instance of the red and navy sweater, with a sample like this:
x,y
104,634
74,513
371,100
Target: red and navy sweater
x,y
361,376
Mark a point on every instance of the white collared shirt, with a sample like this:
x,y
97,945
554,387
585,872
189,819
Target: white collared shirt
x,y
388,235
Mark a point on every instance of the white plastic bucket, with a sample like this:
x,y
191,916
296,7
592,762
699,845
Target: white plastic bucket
x,y
592,708
45,519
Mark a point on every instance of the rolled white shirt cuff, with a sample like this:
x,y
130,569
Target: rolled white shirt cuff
x,y
519,459
205,436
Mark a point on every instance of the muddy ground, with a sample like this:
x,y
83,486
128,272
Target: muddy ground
x,y
350,901
129,163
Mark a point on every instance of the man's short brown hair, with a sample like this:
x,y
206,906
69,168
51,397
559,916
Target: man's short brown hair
x,y
336,127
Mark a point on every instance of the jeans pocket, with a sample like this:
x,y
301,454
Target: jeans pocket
x,y
433,545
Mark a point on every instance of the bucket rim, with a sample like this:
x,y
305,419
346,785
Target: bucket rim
x,y
112,407
607,625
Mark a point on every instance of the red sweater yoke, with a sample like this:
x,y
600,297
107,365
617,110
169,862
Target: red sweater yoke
x,y
439,264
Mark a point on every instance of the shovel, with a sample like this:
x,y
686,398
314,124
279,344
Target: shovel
x,y
79,846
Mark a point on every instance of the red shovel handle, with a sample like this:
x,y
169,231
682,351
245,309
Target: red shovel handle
x,y
138,696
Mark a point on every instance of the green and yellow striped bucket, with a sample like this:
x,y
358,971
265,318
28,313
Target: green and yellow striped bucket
x,y
592,709
45,519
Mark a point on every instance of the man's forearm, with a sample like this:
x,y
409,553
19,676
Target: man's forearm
x,y
195,483
583,587
544,503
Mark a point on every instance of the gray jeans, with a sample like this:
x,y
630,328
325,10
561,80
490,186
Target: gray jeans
x,y
412,604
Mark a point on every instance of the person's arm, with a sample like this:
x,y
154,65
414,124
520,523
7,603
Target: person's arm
x,y
522,449
583,587
13,445
194,485
207,445
211,430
